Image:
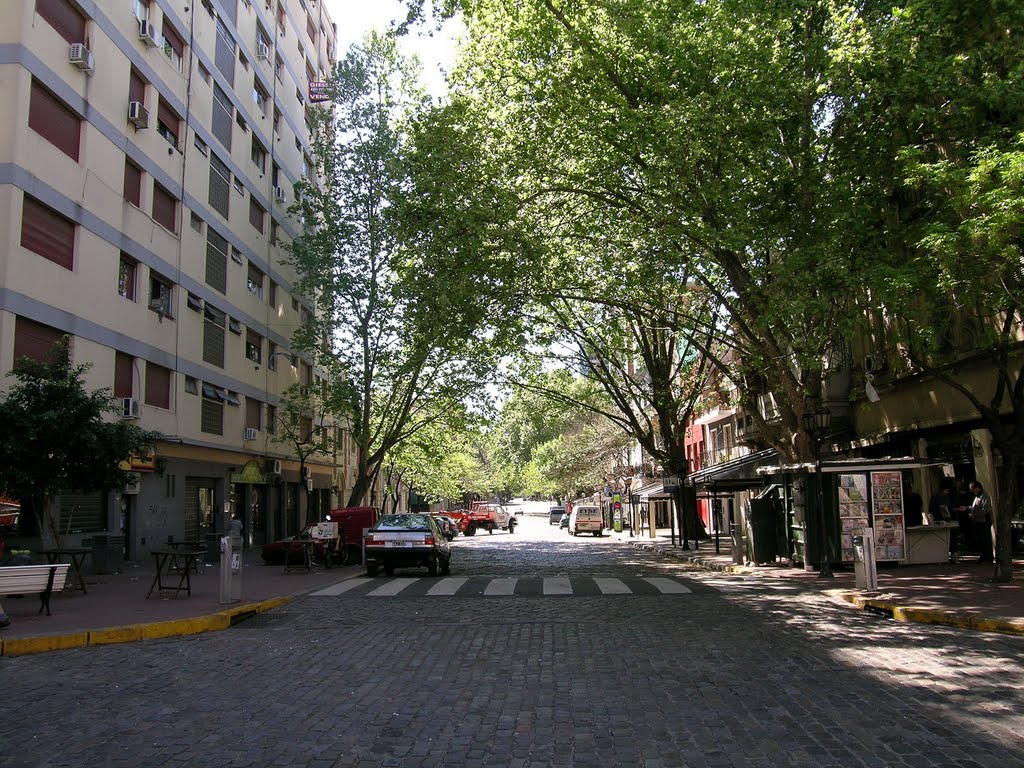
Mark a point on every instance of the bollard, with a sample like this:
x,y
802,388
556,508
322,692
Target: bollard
x,y
230,569
865,572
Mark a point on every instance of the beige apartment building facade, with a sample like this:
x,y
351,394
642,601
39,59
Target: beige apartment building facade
x,y
148,152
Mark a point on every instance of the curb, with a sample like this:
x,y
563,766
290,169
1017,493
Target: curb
x,y
23,646
904,613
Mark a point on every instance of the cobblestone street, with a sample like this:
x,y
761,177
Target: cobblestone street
x,y
728,674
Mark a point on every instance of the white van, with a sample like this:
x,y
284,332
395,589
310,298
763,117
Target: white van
x,y
586,518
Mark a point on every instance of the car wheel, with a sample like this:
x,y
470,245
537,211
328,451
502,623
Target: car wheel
x,y
389,570
599,534
371,570
471,530
432,566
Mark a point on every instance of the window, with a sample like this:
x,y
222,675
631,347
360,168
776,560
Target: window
x,y
141,10
204,73
272,294
168,124
51,119
256,214
224,56
277,120
191,386
282,20
234,326
239,187
193,302
262,40
306,374
311,28
275,231
242,60
124,365
132,183
136,87
241,122
201,146
260,97
165,208
174,46
236,255
259,155
310,72
127,275
33,340
223,112
213,336
278,69
255,280
220,185
160,294
216,260
212,417
63,17
307,166
158,386
46,232
196,222
253,346
253,412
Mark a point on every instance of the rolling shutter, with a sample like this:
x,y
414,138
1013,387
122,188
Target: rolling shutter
x,y
158,385
46,232
216,260
83,512
33,340
63,17
51,119
165,208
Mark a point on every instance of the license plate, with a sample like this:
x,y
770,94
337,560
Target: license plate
x,y
397,543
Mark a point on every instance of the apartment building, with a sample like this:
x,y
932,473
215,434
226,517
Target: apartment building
x,y
148,152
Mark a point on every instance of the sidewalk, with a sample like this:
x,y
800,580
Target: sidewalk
x,y
115,608
955,594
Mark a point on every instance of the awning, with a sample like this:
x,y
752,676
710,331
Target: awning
x,y
653,490
738,473
857,464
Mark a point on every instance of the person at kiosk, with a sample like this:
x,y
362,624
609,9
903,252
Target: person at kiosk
x,y
979,517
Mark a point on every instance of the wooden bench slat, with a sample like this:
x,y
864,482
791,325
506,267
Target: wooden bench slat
x,y
33,579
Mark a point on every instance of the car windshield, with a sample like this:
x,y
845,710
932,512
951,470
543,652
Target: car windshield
x,y
402,523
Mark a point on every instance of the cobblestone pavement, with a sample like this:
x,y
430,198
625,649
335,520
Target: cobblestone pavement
x,y
732,674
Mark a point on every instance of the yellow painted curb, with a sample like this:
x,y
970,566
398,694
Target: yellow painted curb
x,y
908,614
133,632
23,646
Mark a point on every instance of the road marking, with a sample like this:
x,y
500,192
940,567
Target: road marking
x,y
340,587
612,586
501,587
558,585
392,588
448,586
666,586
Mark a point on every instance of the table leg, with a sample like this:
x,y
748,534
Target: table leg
x,y
156,579
79,561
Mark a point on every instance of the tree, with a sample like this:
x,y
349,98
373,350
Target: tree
x,y
943,166
406,365
56,438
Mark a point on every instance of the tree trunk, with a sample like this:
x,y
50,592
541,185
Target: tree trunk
x,y
1003,514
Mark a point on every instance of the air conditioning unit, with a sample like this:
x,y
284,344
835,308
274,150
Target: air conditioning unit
x,y
81,57
130,408
138,115
274,466
249,433
307,472
147,33
279,194
262,50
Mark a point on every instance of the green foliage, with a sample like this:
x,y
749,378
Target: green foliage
x,y
56,438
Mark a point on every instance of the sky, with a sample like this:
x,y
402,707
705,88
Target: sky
x,y
356,17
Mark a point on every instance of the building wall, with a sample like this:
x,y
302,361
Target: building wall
x,y
84,301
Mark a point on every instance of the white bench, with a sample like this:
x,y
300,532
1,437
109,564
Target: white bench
x,y
33,579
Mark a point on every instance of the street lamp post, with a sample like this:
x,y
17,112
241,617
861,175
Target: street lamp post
x,y
816,424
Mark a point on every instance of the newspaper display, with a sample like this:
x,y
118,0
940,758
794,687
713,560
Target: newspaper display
x,y
853,511
887,513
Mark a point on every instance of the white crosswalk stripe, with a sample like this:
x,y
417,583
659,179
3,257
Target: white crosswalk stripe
x,y
448,586
392,588
501,587
667,586
612,586
557,586
340,588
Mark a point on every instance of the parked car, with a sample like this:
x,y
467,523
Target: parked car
x,y
586,518
448,526
555,515
564,521
407,541
276,552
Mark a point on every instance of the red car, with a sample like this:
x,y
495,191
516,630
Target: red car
x,y
276,552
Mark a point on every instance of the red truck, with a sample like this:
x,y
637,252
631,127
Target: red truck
x,y
352,521
487,516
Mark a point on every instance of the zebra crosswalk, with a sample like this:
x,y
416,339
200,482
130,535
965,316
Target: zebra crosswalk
x,y
493,586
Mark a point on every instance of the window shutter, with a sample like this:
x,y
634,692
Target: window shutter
x,y
173,39
212,417
213,337
136,88
83,512
48,117
33,340
63,17
158,385
223,117
132,183
216,260
256,214
165,208
123,366
224,56
169,118
252,413
220,185
46,232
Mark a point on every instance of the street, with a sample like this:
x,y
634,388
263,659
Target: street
x,y
540,649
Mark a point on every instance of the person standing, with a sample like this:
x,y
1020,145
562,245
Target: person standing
x,y
981,522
